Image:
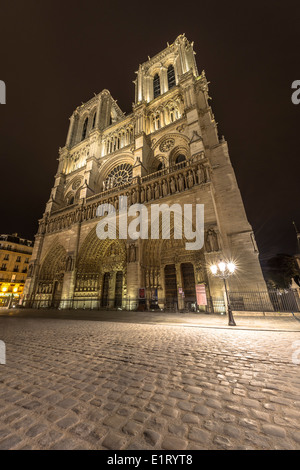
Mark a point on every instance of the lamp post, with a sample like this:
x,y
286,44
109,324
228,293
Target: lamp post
x,y
224,271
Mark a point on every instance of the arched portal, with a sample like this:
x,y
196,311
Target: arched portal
x,y
173,271
51,275
101,271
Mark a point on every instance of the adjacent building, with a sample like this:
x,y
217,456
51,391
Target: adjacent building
x,y
15,254
166,151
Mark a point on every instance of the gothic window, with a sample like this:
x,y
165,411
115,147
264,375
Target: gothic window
x,y
84,129
171,77
172,114
157,121
94,120
160,166
156,86
180,158
121,174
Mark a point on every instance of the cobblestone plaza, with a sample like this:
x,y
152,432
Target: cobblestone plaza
x,y
134,382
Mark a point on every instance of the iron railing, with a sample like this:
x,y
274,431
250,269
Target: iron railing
x,y
287,300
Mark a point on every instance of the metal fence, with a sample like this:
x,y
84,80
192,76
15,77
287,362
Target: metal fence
x,y
286,300
253,301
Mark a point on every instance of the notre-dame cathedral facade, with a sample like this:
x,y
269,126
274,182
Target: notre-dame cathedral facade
x,y
166,151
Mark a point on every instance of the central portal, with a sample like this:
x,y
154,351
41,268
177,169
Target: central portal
x,y
170,284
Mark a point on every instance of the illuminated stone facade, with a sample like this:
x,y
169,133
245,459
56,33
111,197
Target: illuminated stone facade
x,y
166,151
15,254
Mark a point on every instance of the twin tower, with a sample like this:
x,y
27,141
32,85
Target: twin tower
x,y
166,151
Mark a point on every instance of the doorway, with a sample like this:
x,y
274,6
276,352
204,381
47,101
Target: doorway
x,y
118,289
170,285
105,289
188,281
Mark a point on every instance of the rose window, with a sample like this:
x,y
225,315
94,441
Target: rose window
x,y
121,174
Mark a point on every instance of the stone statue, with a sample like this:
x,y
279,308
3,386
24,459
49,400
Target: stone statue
x,y
132,253
190,179
200,174
173,186
212,241
180,183
156,191
149,193
164,188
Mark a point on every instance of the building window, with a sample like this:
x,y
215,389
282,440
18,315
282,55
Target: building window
x,y
6,257
18,260
171,77
84,129
3,267
16,268
121,174
94,120
180,158
156,86
26,260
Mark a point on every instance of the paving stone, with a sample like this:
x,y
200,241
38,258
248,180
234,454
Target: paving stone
x,y
199,435
132,428
274,430
48,439
140,416
67,422
114,421
151,436
169,411
231,431
10,442
173,443
178,429
296,436
36,430
67,403
114,441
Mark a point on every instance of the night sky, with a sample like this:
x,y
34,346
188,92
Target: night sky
x,y
56,55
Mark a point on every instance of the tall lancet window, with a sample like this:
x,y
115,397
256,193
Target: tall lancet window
x,y
156,86
94,120
171,77
84,129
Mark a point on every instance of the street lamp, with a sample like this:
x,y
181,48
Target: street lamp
x,y
224,271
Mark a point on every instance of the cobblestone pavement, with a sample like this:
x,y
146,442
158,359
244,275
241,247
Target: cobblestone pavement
x,y
86,384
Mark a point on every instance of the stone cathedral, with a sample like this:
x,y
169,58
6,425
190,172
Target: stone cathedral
x,y
166,151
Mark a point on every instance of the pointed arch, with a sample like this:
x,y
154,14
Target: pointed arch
x,y
54,262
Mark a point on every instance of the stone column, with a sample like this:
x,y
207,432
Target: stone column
x,y
179,282
70,131
112,289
